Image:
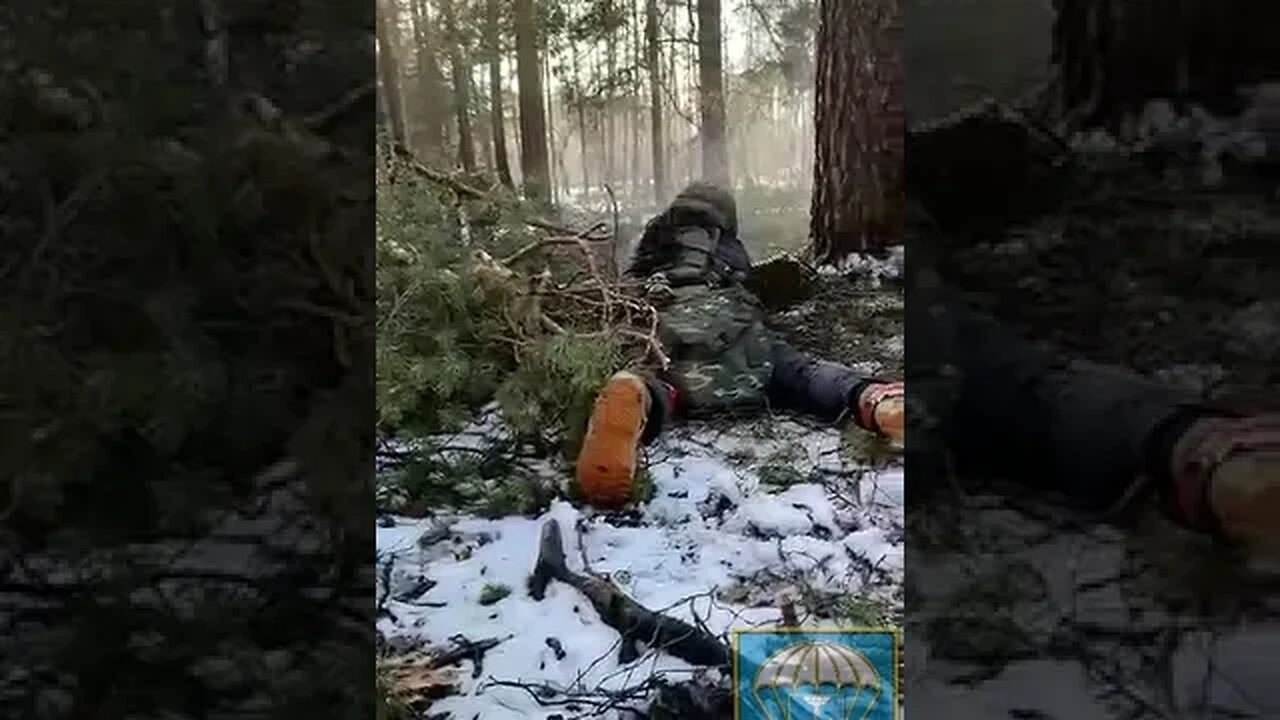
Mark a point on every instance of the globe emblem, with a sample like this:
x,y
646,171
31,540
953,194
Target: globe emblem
x,y
817,679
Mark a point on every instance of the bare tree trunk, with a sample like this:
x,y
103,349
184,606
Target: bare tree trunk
x,y
551,131
485,128
637,111
497,116
674,156
582,116
715,153
533,129
858,195
602,128
433,112
461,72
389,69
610,140
654,62
692,155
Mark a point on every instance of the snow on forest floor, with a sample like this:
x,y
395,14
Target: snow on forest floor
x,y
1021,609
739,517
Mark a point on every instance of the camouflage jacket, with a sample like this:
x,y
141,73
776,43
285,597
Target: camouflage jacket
x,y
724,358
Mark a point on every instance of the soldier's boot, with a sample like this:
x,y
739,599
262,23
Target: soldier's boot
x,y
881,409
1226,480
607,463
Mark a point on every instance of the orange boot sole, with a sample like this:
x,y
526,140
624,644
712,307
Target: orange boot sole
x,y
1227,479
1245,496
606,468
882,408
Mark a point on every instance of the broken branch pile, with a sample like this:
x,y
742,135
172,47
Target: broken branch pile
x,y
560,282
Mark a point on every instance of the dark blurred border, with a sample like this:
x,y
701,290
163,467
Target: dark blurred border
x,y
186,373
1085,252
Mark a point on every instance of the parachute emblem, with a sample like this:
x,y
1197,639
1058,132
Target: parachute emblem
x,y
817,679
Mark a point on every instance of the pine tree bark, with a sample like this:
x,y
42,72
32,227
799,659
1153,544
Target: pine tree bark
x,y
461,72
653,61
533,130
389,69
858,194
715,152
497,114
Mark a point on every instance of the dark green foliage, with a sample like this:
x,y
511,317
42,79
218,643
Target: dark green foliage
x,y
457,330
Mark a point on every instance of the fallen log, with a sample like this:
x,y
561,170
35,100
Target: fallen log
x,y
635,622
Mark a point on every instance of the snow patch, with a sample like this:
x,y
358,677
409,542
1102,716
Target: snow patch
x,y
712,524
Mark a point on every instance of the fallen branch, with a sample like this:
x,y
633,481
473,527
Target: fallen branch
x,y
552,227
546,242
475,193
635,622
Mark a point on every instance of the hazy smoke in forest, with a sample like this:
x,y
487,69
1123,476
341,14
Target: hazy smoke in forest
x,y
596,77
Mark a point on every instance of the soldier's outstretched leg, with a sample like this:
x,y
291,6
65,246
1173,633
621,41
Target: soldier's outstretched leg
x,y
630,411
633,408
1100,436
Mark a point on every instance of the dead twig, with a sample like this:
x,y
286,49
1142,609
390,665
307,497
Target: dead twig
x,y
548,242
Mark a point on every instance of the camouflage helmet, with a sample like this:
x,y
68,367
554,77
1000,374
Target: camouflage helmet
x,y
711,198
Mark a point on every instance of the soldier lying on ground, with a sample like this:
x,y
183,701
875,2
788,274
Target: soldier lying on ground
x,y
1103,439
724,361
1106,439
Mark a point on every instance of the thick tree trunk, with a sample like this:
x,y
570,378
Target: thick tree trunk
x,y
1114,55
858,194
715,152
497,115
389,69
654,62
461,72
433,112
533,130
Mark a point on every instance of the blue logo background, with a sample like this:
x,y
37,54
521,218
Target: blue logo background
x,y
784,702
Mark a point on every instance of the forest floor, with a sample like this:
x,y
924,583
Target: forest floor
x,y
1020,609
743,518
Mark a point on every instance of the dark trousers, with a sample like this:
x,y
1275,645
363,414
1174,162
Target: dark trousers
x,y
799,383
986,403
